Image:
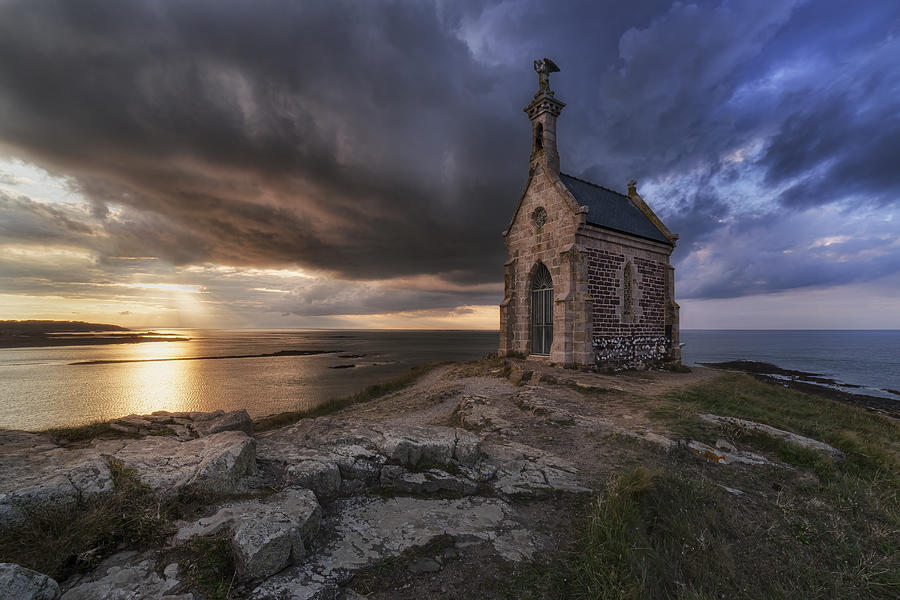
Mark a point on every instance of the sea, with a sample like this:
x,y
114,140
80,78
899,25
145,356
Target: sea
x,y
44,387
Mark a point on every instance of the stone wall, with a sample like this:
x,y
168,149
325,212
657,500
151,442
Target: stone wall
x,y
621,337
549,242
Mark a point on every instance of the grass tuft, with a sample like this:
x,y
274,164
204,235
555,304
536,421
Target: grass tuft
x,y
62,540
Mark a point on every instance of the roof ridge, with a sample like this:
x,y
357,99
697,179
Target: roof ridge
x,y
602,187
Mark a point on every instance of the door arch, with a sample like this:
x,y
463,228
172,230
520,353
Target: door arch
x,y
541,311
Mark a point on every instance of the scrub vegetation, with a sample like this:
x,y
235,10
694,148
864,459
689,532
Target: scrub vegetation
x,y
676,527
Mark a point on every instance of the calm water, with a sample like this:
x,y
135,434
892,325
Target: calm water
x,y
40,389
867,358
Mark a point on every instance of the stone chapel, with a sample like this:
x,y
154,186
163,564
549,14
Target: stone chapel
x,y
588,280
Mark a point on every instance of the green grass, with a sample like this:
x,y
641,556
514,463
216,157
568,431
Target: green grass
x,y
870,441
828,529
334,405
62,540
209,565
673,534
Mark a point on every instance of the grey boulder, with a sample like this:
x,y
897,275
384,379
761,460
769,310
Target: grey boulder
x,y
267,534
19,583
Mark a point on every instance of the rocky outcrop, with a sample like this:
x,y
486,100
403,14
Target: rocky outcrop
x,y
524,471
266,534
791,438
215,463
372,529
340,461
36,471
724,453
19,583
127,576
395,477
185,425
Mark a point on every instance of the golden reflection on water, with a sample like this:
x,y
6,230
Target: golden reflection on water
x,y
158,384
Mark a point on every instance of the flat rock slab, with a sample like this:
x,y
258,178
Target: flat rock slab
x,y
35,471
19,583
406,444
214,463
793,438
266,534
186,425
526,471
723,456
127,576
335,458
368,530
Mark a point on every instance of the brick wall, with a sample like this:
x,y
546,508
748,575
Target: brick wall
x,y
587,265
621,338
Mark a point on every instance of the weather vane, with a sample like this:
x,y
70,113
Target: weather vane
x,y
543,68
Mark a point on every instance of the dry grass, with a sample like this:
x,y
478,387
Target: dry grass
x,y
826,530
61,540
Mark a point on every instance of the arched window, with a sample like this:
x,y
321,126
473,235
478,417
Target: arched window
x,y
541,311
628,293
539,137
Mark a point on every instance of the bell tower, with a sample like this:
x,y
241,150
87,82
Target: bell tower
x,y
543,111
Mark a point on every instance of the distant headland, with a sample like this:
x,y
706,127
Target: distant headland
x,y
33,333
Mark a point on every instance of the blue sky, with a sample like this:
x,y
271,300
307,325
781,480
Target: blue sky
x,y
346,164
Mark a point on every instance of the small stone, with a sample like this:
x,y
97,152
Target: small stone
x,y
322,477
725,445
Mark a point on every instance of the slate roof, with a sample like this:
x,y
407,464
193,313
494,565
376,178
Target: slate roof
x,y
612,210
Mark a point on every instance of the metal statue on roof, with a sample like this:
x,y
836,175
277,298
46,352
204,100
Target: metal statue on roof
x,y
543,68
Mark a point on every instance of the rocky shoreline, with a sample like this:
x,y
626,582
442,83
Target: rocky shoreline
x,y
812,383
479,456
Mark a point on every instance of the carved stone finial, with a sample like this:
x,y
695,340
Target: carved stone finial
x,y
543,68
632,187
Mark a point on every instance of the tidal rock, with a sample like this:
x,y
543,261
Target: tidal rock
x,y
424,565
266,534
127,576
214,463
19,583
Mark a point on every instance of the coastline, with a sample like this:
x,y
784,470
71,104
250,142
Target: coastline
x,y
810,383
40,341
523,473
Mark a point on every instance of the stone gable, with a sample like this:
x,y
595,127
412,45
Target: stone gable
x,y
613,292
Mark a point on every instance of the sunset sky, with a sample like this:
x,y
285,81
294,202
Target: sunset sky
x,y
353,164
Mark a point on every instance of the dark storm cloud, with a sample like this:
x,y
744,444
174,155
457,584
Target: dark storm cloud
x,y
386,140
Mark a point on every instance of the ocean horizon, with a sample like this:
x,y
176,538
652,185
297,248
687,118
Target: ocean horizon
x,y
264,371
